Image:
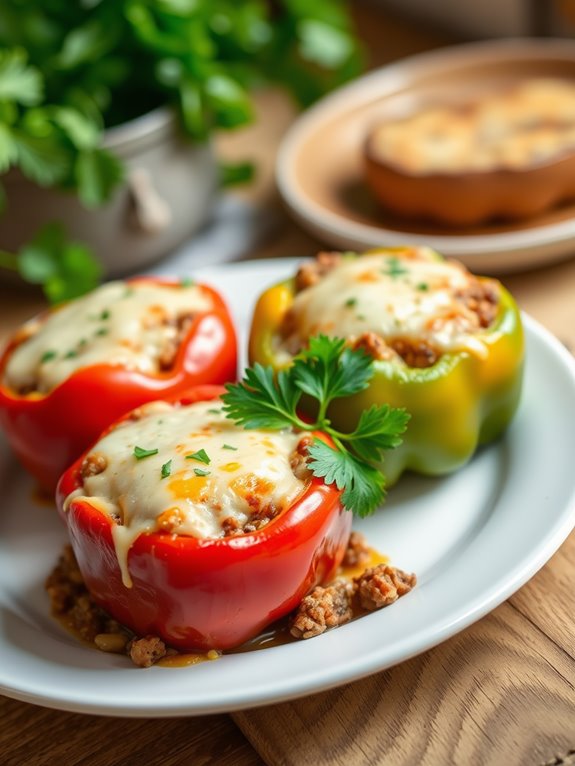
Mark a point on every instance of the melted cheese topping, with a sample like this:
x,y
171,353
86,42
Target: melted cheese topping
x,y
120,324
515,129
245,473
413,296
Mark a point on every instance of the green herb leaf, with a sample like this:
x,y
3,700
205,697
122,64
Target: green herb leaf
x,y
229,446
97,172
395,268
47,356
201,472
329,370
325,371
166,469
261,402
18,81
64,269
363,483
201,456
140,453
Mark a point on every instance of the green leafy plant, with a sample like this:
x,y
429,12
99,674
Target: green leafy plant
x,y
69,70
326,370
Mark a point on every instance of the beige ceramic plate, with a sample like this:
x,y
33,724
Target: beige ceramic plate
x,y
320,174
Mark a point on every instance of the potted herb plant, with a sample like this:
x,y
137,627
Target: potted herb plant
x,y
106,112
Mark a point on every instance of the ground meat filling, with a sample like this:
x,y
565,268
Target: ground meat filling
x,y
311,272
415,353
481,297
341,601
169,350
263,514
93,464
325,607
358,551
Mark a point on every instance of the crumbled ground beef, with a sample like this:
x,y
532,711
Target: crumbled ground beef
x,y
170,347
298,458
311,272
382,585
415,353
341,601
482,297
72,603
325,607
93,464
357,552
144,652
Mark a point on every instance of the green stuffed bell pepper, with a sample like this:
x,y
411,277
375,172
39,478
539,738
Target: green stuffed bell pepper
x,y
447,345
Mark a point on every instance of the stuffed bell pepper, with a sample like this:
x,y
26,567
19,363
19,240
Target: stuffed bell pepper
x,y
188,527
73,370
447,346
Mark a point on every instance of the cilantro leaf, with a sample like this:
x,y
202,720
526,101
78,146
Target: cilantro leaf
x,y
379,428
261,402
97,172
140,453
201,456
329,370
41,158
18,81
64,269
364,484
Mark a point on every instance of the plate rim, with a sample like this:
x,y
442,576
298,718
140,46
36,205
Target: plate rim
x,y
353,669
362,90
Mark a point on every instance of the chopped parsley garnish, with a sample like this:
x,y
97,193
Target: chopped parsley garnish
x,y
128,292
105,314
187,282
47,356
71,354
82,342
201,456
327,370
215,412
140,453
201,472
394,268
351,302
166,469
102,331
423,286
361,317
229,446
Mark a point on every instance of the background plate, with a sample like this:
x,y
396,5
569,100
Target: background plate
x,y
472,538
319,166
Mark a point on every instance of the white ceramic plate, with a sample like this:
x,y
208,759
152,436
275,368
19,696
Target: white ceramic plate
x,y
319,165
473,539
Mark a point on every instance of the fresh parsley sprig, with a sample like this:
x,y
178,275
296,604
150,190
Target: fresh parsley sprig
x,y
325,371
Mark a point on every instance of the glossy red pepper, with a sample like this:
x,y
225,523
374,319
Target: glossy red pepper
x,y
199,594
48,431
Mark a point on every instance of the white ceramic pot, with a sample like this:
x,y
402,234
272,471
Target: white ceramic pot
x,y
168,194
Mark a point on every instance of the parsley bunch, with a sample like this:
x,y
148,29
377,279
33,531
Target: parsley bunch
x,y
325,371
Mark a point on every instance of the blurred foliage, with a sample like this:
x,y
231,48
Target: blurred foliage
x,y
71,68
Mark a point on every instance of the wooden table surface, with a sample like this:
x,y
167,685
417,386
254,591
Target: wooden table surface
x,y
501,692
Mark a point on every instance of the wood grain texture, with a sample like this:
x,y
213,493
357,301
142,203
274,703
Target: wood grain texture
x,y
34,736
499,694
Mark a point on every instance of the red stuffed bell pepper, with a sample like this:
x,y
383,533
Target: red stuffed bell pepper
x,y
190,528
75,369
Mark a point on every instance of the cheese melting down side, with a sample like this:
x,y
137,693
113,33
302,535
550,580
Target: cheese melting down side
x,y
408,294
237,475
125,324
